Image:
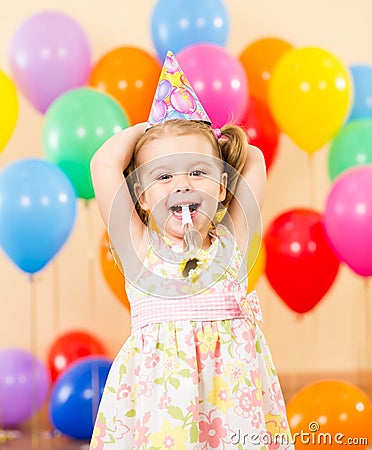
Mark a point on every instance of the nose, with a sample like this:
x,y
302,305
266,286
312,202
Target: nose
x,y
183,183
183,189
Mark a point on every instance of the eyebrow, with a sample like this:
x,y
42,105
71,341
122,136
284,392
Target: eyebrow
x,y
160,168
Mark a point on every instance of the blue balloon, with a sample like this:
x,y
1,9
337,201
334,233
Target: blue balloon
x,y
76,395
177,24
362,106
37,212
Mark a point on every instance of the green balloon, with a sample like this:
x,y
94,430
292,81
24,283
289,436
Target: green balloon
x,y
351,147
76,125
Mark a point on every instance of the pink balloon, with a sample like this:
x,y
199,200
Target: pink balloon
x,y
183,101
219,81
348,219
49,54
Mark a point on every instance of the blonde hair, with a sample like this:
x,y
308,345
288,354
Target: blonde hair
x,y
230,148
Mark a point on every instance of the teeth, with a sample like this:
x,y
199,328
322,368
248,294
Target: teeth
x,y
192,206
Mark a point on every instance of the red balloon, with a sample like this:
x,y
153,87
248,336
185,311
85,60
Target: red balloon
x,y
261,129
300,266
70,347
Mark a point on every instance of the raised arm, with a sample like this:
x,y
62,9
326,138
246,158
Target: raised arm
x,y
112,194
254,173
245,209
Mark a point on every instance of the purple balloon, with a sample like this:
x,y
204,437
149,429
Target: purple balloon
x,y
24,384
49,54
348,219
163,90
158,112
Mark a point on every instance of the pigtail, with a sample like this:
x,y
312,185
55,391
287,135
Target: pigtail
x,y
233,145
131,178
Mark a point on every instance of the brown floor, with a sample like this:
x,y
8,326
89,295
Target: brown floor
x,y
25,442
26,439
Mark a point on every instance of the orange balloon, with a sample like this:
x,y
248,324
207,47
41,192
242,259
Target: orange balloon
x,y
258,60
112,273
329,414
131,76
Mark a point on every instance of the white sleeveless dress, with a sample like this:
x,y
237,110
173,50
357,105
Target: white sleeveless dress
x,y
196,372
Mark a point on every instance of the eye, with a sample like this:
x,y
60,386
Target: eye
x,y
197,173
164,177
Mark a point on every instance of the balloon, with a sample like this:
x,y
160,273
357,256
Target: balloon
x,y
259,59
331,412
130,75
218,80
348,219
24,384
256,261
8,109
37,212
76,395
351,147
49,54
113,275
261,129
69,347
309,96
181,23
300,264
75,126
362,106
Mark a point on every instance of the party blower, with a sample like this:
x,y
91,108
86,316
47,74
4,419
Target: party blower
x,y
191,238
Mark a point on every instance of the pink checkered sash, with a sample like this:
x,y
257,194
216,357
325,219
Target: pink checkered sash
x,y
203,307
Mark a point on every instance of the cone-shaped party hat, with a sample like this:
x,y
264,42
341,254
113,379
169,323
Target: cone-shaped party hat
x,y
174,97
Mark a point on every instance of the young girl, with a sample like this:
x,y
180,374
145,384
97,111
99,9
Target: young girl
x,y
196,372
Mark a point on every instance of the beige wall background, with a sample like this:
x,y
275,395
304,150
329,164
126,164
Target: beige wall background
x,y
71,293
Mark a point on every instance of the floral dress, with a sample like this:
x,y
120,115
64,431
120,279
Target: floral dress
x,y
196,372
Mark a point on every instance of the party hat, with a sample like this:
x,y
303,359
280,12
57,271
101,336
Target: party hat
x,y
174,97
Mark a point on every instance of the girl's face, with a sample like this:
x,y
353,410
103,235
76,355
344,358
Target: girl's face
x,y
177,170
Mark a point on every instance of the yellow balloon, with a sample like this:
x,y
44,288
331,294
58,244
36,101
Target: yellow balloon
x,y
8,109
256,262
310,93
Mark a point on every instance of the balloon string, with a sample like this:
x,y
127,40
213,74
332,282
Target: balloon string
x,y
314,340
33,347
56,297
295,377
90,255
310,165
368,334
358,333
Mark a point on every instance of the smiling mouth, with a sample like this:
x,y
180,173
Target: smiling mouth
x,y
177,209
